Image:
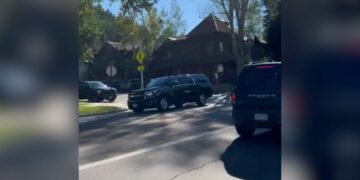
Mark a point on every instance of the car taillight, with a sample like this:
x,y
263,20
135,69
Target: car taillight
x,y
264,67
233,98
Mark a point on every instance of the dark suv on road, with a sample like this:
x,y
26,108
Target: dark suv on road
x,y
96,91
256,98
163,92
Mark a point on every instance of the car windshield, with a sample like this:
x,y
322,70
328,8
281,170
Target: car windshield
x,y
158,82
260,80
97,85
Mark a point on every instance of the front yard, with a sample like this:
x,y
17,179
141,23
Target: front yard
x,y
86,108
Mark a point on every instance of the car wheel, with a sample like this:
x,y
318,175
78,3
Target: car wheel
x,y
245,131
138,110
112,99
163,104
201,100
178,105
94,99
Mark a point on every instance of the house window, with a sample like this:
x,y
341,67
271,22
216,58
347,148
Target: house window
x,y
221,47
168,55
211,48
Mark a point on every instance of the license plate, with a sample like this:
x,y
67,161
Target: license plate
x,y
135,105
261,117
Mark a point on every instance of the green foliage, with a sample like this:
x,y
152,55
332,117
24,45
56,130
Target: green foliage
x,y
86,108
254,20
157,26
274,35
97,25
271,11
151,29
175,25
135,6
90,29
128,29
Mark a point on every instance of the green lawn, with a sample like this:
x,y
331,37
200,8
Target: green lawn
x,y
88,109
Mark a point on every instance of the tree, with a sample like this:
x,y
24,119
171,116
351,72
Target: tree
x,y
156,26
273,32
90,29
271,11
235,11
133,7
92,26
128,29
175,25
254,23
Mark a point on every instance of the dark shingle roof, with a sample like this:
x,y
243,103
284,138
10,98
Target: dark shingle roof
x,y
210,24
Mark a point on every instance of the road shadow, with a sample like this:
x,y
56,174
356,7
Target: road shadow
x,y
131,131
258,157
152,113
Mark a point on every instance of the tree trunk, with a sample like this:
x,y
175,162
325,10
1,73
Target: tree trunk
x,y
241,11
237,41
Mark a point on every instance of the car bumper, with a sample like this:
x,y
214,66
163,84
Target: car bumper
x,y
146,103
258,117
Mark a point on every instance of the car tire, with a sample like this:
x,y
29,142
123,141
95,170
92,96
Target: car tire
x,y
179,105
163,104
244,131
138,110
94,99
201,100
112,99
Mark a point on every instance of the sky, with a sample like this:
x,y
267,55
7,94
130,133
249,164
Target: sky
x,y
192,10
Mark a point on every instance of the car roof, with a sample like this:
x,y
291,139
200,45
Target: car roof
x,y
263,63
179,75
91,81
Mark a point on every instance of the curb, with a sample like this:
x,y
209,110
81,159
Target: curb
x,y
93,117
100,114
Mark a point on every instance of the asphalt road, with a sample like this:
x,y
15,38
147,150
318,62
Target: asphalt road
x,y
190,143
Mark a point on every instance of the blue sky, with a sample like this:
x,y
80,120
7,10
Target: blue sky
x,y
192,10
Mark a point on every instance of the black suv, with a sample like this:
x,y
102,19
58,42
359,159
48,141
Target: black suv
x,y
96,91
163,92
256,98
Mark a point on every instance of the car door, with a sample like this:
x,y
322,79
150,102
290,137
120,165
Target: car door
x,y
177,90
202,85
187,88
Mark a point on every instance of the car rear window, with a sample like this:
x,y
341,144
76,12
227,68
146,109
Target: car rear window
x,y
261,79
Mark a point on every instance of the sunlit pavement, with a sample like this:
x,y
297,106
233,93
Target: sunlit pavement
x,y
190,143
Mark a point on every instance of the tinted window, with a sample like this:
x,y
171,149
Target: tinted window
x,y
186,80
83,85
200,79
260,79
158,82
97,85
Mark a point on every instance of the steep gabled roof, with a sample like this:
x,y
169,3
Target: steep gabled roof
x,y
210,24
